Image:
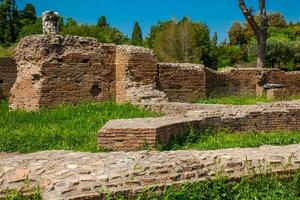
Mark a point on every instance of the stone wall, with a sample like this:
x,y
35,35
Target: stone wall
x,y
8,74
80,176
136,75
242,81
182,82
132,134
54,69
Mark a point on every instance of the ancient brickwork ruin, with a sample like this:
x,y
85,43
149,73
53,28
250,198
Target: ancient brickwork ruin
x,y
8,75
54,69
132,134
136,75
182,82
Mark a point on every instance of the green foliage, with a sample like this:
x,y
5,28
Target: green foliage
x,y
137,36
28,15
236,34
182,41
103,34
236,100
281,51
32,29
102,22
13,20
65,127
17,195
6,52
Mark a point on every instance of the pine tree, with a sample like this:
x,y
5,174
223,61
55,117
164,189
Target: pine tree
x,y
102,22
28,15
137,36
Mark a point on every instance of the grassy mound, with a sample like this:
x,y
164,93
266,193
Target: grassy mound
x,y
64,127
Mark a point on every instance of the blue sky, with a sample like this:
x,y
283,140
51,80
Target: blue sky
x,y
217,14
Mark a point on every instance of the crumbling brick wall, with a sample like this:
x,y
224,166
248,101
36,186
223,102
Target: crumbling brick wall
x,y
182,82
8,74
136,75
53,69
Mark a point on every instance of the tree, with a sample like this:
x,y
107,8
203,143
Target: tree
x,y
28,15
9,21
236,34
137,36
260,31
102,22
183,41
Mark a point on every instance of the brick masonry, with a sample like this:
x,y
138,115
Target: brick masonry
x,y
8,75
54,69
182,82
132,134
80,176
136,75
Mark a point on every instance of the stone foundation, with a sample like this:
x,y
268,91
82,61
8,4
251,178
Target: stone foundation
x,y
133,134
8,75
70,175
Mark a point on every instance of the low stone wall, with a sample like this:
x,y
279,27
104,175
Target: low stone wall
x,y
232,82
8,74
182,82
133,134
70,175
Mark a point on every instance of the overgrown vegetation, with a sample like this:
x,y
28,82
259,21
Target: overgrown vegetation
x,y
211,139
273,187
241,100
64,127
35,194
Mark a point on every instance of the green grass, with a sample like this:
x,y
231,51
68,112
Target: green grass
x,y
234,100
212,140
259,188
7,51
240,100
64,127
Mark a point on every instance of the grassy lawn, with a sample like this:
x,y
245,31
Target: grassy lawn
x,y
212,140
240,100
64,127
263,187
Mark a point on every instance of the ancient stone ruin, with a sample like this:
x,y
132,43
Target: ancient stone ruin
x,y
51,69
50,22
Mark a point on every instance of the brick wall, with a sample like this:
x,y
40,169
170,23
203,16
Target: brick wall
x,y
136,75
120,134
233,82
56,69
8,74
182,82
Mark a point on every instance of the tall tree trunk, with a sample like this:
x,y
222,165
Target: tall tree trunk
x,y
259,31
262,45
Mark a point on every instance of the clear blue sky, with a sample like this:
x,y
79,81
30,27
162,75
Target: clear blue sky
x,y
217,14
